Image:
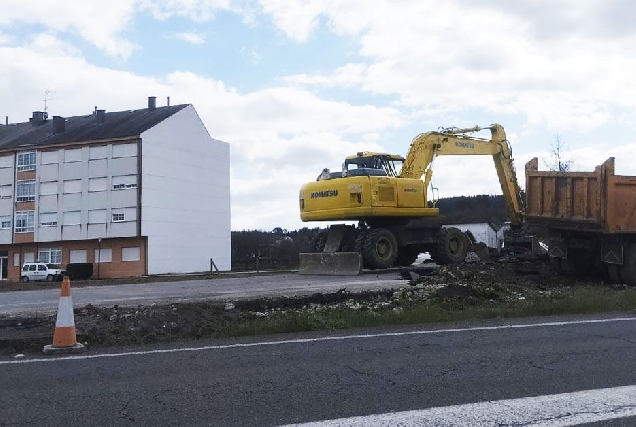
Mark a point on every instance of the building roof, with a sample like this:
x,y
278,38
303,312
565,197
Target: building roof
x,y
99,125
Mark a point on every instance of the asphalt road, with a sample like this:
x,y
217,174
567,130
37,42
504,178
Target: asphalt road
x,y
314,377
221,289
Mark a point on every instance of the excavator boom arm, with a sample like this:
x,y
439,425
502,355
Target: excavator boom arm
x,y
455,142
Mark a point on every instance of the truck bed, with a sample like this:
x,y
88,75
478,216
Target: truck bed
x,y
598,201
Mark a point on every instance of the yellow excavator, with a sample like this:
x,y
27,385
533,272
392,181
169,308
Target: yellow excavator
x,y
386,194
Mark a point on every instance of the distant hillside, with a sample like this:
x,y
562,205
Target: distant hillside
x,y
483,208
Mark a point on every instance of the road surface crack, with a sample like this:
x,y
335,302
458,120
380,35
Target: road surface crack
x,y
379,376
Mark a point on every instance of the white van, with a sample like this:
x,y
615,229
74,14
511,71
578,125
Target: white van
x,y
41,271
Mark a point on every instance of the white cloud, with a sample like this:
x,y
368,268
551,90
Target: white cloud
x,y
195,10
296,19
190,37
98,23
562,64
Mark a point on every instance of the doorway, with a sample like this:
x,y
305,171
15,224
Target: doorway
x,y
4,267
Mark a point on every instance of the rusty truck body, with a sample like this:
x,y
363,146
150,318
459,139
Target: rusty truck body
x,y
588,219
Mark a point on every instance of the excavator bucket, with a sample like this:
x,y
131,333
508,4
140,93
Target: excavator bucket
x,y
331,263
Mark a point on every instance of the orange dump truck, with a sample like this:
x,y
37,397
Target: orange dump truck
x,y
588,218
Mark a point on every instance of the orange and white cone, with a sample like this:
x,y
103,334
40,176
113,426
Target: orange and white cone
x,y
65,337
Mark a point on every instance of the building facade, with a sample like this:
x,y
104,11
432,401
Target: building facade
x,y
133,192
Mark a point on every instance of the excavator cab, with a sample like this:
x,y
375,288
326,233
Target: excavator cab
x,y
372,164
366,163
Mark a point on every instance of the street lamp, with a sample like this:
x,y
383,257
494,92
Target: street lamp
x,y
99,254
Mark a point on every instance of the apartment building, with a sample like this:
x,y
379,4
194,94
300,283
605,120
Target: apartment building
x,y
134,192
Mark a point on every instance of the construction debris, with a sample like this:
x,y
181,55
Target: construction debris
x,y
508,278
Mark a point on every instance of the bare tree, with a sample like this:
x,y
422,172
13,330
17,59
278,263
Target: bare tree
x,y
557,152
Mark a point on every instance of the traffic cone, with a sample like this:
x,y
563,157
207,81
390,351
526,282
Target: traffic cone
x,y
64,337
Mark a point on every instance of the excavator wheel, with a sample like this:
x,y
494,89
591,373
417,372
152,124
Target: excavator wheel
x,y
361,235
317,243
406,256
359,242
452,246
380,249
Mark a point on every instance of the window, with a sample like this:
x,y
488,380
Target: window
x,y
123,214
98,152
5,222
130,254
49,157
97,216
25,191
50,255
41,267
78,255
103,255
29,257
6,191
32,267
73,186
49,187
16,259
24,222
6,161
97,184
74,155
26,161
123,182
48,219
124,150
71,218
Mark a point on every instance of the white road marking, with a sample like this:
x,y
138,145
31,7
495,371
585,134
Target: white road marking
x,y
319,339
565,409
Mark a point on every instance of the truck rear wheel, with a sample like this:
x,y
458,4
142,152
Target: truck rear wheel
x,y
452,246
614,273
628,269
579,263
380,248
555,263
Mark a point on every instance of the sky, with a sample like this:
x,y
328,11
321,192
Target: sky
x,y
295,86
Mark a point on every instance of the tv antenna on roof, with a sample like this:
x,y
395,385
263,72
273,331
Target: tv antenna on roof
x,y
47,92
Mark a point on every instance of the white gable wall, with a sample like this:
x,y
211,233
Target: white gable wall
x,y
185,196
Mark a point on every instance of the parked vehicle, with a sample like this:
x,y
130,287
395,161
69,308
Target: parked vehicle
x,y
589,219
41,271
